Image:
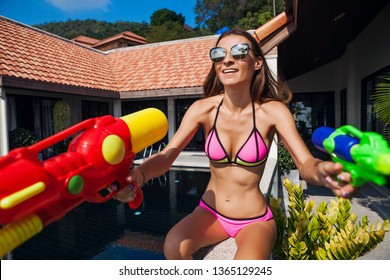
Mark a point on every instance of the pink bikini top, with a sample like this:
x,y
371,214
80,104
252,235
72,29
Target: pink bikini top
x,y
252,153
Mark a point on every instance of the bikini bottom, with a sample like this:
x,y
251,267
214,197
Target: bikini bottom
x,y
233,226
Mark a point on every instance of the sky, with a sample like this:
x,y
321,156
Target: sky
x,y
32,12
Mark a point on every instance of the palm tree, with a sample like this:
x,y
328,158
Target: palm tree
x,y
381,100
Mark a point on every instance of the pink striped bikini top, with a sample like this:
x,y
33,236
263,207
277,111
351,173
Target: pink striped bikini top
x,y
252,153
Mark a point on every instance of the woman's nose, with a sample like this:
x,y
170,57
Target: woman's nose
x,y
228,58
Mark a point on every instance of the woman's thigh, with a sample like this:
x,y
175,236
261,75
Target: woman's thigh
x,y
197,230
256,240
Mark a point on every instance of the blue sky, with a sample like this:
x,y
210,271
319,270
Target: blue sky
x,y
40,11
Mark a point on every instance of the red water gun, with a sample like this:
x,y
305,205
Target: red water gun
x,y
35,193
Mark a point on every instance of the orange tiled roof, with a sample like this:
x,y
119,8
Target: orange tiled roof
x,y
29,53
87,41
125,35
175,64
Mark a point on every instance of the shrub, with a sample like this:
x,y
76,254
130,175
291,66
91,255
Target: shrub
x,y
329,232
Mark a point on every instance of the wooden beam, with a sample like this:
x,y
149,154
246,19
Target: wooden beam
x,y
275,31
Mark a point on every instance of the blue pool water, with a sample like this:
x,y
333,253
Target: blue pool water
x,y
111,231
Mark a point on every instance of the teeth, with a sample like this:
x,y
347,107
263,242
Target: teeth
x,y
229,71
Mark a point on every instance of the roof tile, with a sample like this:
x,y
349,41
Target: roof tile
x,y
30,53
54,59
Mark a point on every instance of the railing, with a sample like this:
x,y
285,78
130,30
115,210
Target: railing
x,y
148,152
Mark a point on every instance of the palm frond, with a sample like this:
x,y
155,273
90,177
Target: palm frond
x,y
381,102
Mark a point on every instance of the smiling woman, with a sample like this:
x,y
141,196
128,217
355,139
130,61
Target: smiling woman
x,y
243,108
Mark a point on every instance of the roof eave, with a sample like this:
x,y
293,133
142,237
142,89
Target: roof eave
x,y
275,31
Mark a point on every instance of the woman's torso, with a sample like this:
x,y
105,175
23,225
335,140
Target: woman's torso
x,y
233,189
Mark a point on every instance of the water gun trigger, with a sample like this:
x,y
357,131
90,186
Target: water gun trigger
x,y
139,197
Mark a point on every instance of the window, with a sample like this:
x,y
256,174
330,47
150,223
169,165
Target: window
x,y
197,142
34,114
343,107
92,109
315,109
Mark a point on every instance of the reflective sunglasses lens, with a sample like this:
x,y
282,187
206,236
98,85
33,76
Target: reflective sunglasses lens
x,y
217,54
240,51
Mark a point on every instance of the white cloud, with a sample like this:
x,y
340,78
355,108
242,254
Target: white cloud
x,y
79,5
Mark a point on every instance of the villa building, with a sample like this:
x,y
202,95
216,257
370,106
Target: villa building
x,y
330,52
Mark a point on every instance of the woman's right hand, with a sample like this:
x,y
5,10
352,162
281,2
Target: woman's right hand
x,y
129,192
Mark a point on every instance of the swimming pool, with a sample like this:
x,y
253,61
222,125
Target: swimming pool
x,y
112,231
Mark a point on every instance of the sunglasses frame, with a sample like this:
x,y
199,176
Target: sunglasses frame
x,y
226,51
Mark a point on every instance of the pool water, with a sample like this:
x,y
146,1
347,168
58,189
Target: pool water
x,y
112,231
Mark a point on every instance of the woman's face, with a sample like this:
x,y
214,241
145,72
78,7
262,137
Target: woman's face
x,y
231,71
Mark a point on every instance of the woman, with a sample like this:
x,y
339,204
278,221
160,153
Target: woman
x,y
243,109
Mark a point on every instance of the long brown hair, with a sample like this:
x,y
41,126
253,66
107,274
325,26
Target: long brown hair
x,y
264,87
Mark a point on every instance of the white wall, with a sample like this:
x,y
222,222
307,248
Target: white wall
x,y
368,53
373,44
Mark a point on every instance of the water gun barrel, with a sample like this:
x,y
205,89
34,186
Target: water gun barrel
x,y
340,145
143,135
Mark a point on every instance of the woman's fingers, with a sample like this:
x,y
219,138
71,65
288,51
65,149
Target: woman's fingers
x,y
126,194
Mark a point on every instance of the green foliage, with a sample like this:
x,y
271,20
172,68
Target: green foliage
x,y
381,99
162,16
21,137
61,116
168,31
329,232
215,14
211,15
254,20
285,161
93,28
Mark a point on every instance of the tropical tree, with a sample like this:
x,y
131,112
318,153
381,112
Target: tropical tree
x,y
381,100
162,16
167,31
248,14
93,28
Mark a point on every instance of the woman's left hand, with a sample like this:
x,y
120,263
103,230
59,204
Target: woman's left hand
x,y
339,181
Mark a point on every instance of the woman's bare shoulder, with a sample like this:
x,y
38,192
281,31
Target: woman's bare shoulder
x,y
206,105
276,111
274,107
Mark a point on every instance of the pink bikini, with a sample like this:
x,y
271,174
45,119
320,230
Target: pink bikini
x,y
252,153
233,226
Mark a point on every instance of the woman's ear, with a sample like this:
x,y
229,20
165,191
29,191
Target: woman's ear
x,y
259,64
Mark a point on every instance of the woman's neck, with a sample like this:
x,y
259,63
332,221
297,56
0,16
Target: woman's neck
x,y
236,101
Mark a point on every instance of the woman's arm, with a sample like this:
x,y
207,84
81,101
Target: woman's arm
x,y
312,170
161,162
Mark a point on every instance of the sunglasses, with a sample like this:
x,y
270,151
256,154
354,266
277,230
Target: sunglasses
x,y
238,52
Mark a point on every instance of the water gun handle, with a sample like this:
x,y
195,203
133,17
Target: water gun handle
x,y
139,197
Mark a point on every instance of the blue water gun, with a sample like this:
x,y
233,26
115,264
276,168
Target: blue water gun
x,y
365,155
